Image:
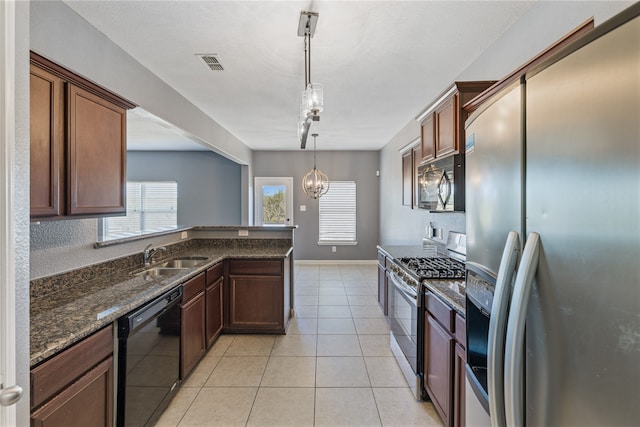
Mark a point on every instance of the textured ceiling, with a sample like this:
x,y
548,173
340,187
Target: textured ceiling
x,y
380,62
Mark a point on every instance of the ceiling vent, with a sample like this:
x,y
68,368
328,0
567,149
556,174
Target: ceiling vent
x,y
210,61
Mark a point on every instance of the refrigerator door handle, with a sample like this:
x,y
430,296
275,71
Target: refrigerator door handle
x,y
498,327
514,351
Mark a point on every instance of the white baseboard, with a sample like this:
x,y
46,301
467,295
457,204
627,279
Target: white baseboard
x,y
333,261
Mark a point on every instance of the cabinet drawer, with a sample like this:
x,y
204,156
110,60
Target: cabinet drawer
x,y
214,273
440,311
193,287
461,330
261,267
56,373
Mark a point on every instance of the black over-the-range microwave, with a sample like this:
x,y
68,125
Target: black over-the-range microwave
x,y
441,185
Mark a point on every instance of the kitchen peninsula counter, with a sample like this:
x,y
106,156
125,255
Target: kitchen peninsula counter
x,y
69,306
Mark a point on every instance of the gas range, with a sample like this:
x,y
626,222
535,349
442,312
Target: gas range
x,y
445,265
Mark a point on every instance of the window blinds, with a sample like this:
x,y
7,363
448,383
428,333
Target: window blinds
x,y
338,213
151,207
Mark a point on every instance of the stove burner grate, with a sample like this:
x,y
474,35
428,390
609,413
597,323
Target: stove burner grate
x,y
435,268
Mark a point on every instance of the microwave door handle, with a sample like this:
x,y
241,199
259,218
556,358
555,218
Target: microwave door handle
x,y
498,327
514,351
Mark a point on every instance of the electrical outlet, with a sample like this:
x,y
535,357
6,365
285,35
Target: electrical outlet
x,y
303,208
333,248
183,235
243,233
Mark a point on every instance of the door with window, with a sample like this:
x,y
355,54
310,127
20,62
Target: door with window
x,y
274,201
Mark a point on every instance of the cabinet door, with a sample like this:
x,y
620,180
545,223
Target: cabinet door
x,y
214,310
428,139
446,128
86,402
96,157
192,343
407,179
459,387
47,143
255,302
438,369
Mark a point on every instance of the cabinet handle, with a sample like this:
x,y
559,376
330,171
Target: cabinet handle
x,y
10,395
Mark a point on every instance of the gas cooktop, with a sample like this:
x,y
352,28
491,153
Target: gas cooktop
x,y
434,268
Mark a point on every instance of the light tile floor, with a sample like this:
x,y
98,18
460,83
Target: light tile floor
x,y
333,368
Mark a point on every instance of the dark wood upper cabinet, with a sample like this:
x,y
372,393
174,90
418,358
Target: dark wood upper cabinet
x,y
447,141
442,122
78,145
428,143
47,142
97,154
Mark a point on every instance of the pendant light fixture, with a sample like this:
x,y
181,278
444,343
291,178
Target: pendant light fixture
x,y
315,183
313,95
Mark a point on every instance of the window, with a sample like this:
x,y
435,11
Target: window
x,y
338,214
151,207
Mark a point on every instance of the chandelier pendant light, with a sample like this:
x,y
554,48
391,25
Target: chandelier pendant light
x,y
313,95
315,183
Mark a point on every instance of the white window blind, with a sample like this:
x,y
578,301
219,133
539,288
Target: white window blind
x,y
338,214
151,207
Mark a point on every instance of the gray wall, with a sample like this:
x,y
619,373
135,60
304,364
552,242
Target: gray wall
x,y
543,24
208,184
358,166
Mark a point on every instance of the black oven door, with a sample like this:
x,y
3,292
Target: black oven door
x,y
405,307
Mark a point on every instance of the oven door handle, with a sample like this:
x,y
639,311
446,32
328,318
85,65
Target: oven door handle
x,y
404,289
498,328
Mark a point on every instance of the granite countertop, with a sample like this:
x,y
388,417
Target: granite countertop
x,y
68,307
441,288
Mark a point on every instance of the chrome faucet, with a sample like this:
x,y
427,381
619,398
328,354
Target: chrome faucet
x,y
150,251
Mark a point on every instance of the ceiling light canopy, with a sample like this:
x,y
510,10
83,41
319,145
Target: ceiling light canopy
x,y
312,102
315,183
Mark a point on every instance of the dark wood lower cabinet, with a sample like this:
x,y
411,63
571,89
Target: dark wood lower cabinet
x,y
213,305
438,369
255,302
86,402
192,325
257,295
75,387
459,419
192,345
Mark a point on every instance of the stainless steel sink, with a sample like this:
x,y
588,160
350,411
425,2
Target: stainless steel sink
x,y
184,262
159,272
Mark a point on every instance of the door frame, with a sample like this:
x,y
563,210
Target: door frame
x,y
258,182
7,221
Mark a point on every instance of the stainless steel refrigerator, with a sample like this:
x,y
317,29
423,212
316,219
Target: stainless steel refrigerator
x,y
555,159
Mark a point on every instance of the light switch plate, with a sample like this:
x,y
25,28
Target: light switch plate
x,y
303,208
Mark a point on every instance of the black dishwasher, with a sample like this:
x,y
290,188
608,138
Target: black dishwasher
x,y
148,360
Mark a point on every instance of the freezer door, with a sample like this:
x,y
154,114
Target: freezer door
x,y
583,198
493,178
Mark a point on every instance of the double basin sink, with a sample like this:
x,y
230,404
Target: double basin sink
x,y
171,267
